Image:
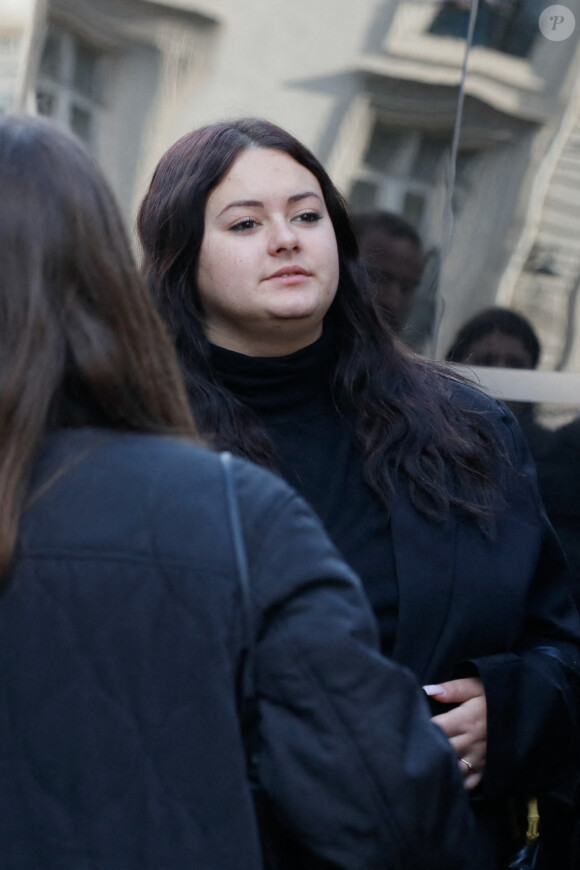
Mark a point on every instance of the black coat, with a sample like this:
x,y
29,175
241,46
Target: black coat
x,y
467,605
502,605
499,609
121,642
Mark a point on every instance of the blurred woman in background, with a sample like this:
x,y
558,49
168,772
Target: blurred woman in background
x,y
424,484
122,630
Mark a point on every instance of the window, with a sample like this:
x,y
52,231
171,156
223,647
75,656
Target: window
x,y
400,171
505,25
70,83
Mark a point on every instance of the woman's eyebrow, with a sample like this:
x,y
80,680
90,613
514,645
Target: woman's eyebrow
x,y
298,196
252,203
256,203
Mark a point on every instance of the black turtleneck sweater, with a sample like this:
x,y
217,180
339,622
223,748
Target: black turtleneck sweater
x,y
319,455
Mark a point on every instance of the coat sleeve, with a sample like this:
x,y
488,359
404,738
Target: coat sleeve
x,y
346,750
533,691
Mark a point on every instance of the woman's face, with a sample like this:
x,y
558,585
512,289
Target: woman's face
x,y
268,265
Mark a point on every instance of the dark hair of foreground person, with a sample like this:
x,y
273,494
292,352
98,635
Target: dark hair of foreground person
x,y
77,331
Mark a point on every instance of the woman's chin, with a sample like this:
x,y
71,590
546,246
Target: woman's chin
x,y
298,310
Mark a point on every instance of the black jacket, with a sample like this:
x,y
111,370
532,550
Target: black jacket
x,y
467,605
121,642
502,605
500,609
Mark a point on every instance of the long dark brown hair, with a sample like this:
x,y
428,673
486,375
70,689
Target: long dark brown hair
x,y
406,418
80,341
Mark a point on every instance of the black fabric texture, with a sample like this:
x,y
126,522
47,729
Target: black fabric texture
x,y
121,642
317,453
461,604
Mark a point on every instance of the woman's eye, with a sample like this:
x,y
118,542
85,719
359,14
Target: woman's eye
x,y
245,224
309,217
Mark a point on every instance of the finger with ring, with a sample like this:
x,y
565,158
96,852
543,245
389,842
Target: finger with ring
x,y
467,763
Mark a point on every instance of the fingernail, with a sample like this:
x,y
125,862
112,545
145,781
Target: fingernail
x,y
434,690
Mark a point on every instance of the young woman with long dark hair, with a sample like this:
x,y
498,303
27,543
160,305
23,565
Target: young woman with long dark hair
x,y
424,484
124,642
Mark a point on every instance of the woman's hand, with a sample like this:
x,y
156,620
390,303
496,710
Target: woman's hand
x,y
465,725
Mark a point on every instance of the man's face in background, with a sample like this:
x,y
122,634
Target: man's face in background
x,y
395,266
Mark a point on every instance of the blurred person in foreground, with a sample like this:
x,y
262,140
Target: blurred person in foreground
x,y
423,482
122,629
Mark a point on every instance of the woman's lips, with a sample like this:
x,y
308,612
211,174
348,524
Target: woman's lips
x,y
289,276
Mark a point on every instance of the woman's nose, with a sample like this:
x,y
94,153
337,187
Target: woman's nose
x,y
283,237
